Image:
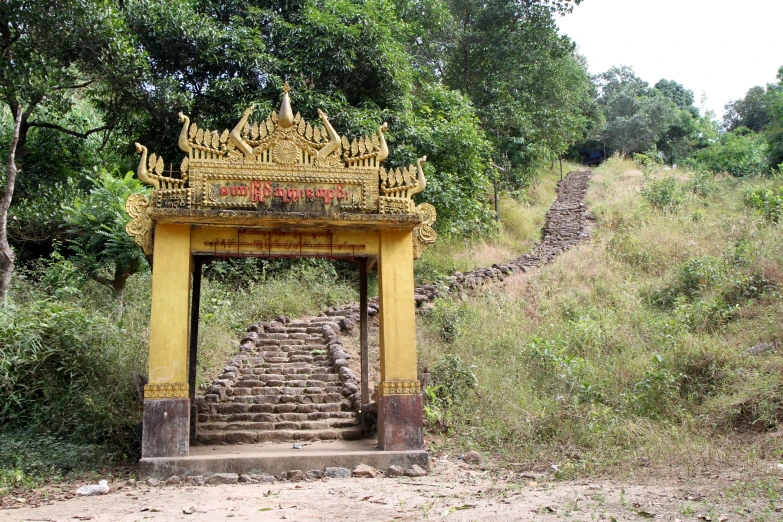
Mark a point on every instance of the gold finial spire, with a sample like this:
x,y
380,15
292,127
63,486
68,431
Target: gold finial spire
x,y
285,118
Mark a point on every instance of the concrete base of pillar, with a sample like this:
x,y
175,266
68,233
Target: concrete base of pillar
x,y
400,422
166,428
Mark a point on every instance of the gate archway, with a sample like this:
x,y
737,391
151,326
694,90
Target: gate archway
x,y
278,187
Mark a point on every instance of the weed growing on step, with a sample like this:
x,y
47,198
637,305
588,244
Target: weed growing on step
x,y
629,347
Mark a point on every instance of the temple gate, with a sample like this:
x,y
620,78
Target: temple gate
x,y
278,187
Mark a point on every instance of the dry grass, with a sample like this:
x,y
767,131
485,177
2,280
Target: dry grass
x,y
580,358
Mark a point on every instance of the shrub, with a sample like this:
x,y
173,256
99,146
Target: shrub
x,y
739,152
63,371
769,202
664,194
649,161
27,457
657,394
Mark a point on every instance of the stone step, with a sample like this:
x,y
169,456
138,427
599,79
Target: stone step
x,y
248,413
243,407
308,415
288,389
249,437
279,424
260,388
258,375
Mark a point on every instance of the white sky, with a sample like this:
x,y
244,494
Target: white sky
x,y
718,47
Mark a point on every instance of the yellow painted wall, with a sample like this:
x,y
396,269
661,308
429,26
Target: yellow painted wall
x,y
398,316
168,359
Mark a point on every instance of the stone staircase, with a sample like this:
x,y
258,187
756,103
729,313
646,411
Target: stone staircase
x,y
290,382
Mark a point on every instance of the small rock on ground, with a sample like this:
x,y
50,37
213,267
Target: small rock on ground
x,y
472,457
261,477
337,473
296,475
364,471
197,480
415,471
394,471
223,478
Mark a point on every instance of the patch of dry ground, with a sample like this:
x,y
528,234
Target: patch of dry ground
x,y
453,491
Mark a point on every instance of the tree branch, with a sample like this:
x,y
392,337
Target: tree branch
x,y
78,86
66,131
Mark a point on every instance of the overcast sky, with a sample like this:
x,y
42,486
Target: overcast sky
x,y
718,47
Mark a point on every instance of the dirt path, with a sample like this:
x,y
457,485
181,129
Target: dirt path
x,y
453,491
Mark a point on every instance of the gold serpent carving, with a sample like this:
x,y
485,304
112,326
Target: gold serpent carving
x,y
424,235
140,225
166,390
386,388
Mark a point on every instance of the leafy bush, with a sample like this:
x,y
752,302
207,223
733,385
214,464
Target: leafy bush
x,y
64,371
739,152
629,249
451,381
453,378
104,250
664,194
692,276
649,161
657,395
769,202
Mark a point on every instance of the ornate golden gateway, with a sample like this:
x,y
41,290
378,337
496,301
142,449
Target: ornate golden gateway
x,y
279,166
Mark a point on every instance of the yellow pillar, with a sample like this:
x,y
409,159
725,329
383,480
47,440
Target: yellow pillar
x,y
398,316
166,403
399,397
168,360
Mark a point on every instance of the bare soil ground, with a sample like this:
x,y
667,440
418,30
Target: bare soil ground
x,y
452,491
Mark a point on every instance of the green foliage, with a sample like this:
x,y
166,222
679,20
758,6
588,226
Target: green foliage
x,y
649,161
637,117
665,194
452,381
97,224
451,319
751,112
62,371
739,152
452,378
657,394
447,130
769,202
525,79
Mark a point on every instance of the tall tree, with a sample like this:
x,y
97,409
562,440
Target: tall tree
x,y
752,111
637,117
53,52
531,90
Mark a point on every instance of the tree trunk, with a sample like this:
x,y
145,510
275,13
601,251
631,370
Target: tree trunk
x,y
7,256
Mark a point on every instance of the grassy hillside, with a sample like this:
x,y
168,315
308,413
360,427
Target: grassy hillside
x,y
629,348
